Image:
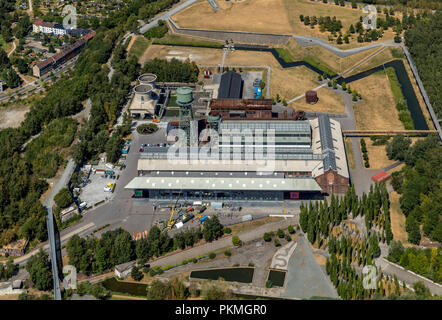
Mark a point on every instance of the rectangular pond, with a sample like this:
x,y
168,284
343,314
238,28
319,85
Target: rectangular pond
x,y
244,275
135,289
277,278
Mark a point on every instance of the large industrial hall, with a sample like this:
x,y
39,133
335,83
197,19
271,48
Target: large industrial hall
x,y
262,152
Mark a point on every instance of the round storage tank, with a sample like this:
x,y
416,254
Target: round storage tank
x,y
184,96
147,78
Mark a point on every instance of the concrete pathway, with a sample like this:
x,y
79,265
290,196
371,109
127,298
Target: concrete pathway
x,y
281,258
305,278
305,41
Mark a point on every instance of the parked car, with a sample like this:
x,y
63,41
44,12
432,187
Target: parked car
x,y
107,189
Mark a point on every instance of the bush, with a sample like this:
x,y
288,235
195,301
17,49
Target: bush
x,y
195,260
236,241
280,233
251,264
158,31
147,128
136,274
288,238
63,198
277,243
291,230
267,237
227,230
212,255
227,253
269,284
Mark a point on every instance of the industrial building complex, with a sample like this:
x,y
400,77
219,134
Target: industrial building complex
x,y
242,149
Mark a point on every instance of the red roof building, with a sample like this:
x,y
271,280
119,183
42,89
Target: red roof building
x,y
381,176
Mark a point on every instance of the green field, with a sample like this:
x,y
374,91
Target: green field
x,y
139,46
186,41
285,55
321,65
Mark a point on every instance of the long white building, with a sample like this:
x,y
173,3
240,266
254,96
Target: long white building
x,y
48,27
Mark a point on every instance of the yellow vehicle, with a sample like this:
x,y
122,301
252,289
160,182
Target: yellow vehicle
x,y
110,184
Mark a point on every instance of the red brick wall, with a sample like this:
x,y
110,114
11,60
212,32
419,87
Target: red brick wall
x,y
332,182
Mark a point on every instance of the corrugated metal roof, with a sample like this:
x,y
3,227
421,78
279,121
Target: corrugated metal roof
x,y
327,143
194,183
230,86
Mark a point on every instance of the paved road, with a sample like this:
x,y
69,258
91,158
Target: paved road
x,y
61,183
166,16
407,276
305,41
422,90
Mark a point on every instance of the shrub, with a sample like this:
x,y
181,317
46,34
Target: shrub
x,y
236,241
267,237
227,253
269,284
147,128
136,274
63,198
280,233
288,238
227,230
212,255
277,243
194,260
251,264
291,230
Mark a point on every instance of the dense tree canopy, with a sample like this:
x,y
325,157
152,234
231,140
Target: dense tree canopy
x,y
424,42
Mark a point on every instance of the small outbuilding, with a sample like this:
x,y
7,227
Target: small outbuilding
x,y
124,269
380,176
311,97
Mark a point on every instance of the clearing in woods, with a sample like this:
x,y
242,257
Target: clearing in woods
x,y
397,219
137,46
377,155
377,110
12,116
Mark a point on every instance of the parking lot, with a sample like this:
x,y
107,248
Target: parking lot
x,y
99,185
249,77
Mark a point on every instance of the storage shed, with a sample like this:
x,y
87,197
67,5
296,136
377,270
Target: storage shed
x,y
380,176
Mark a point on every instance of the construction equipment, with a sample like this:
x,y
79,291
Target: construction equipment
x,y
171,221
155,120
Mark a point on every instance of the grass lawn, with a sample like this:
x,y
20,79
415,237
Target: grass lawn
x,y
397,219
377,156
237,228
138,46
171,39
328,102
350,156
377,110
270,16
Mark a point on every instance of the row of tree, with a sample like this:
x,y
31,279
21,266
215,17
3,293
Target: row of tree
x,y
419,185
426,262
92,255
